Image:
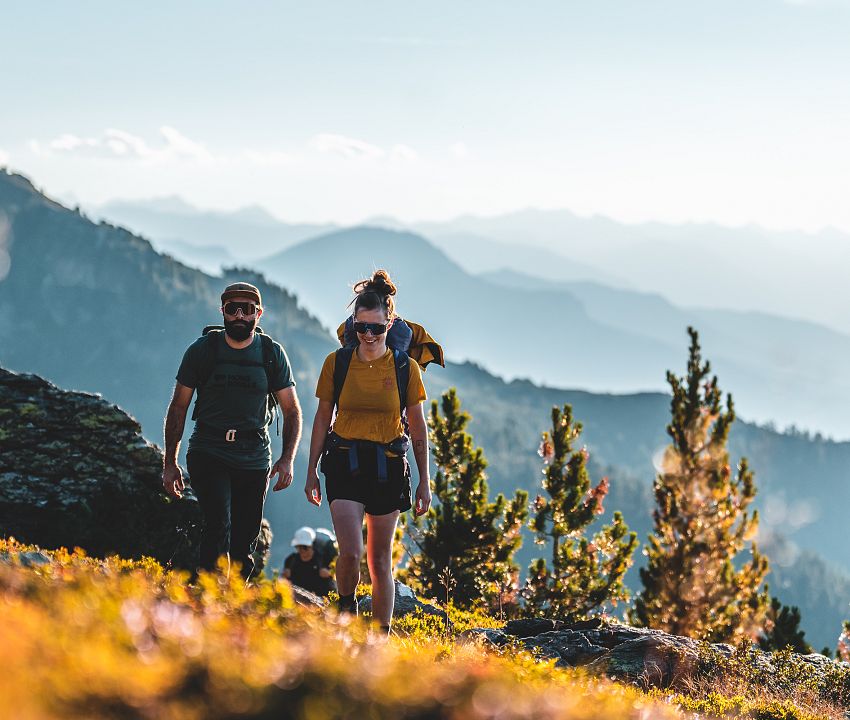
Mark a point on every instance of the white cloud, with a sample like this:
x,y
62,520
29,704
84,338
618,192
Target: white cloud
x,y
115,143
180,145
4,157
172,147
123,143
349,147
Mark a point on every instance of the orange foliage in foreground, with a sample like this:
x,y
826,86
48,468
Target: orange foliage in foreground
x,y
86,638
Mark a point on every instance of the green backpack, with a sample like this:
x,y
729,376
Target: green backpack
x,y
212,334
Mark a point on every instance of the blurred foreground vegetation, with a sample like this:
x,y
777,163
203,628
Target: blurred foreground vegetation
x,y
89,638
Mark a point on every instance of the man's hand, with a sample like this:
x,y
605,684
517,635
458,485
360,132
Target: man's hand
x,y
312,488
172,481
423,497
324,573
283,469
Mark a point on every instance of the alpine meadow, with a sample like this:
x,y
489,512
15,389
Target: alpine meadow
x,y
453,362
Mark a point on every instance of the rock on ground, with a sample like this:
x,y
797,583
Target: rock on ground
x,y
646,657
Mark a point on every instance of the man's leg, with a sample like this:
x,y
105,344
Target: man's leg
x,y
348,525
248,494
210,480
380,531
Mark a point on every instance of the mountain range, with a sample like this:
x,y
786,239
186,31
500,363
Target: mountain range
x,y
94,307
785,371
794,274
578,334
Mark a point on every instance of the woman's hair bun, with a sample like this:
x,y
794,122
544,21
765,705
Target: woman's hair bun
x,y
379,283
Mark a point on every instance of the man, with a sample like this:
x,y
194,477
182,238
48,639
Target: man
x,y
304,567
229,452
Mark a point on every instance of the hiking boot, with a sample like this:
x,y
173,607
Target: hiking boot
x,y
347,605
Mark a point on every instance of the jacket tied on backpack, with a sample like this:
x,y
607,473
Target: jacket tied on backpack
x,y
404,335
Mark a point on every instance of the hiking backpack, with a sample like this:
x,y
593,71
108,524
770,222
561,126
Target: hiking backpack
x,y
212,333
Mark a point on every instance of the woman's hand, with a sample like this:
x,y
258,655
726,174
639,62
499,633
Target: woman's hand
x,y
312,488
423,497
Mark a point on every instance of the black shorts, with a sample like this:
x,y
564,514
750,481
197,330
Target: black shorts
x,y
378,498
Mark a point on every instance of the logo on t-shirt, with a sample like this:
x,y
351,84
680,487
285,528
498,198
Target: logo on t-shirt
x,y
388,383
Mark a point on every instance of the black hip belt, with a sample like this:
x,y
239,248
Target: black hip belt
x,y
396,447
229,434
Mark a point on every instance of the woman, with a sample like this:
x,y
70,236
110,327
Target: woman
x,y
363,455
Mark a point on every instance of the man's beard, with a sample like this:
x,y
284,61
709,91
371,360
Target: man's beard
x,y
239,330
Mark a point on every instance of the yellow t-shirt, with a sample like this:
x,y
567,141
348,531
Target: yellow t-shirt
x,y
368,405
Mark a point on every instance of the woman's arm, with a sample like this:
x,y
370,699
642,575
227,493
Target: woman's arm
x,y
419,439
321,423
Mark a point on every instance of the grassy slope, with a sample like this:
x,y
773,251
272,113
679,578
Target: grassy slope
x,y
84,638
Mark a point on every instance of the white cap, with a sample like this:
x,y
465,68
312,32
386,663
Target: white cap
x,y
304,536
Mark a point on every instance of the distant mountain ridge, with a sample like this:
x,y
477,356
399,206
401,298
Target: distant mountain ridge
x,y
590,336
174,226
795,274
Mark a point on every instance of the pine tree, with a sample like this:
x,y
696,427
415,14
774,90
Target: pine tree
x,y
584,574
783,629
691,585
464,535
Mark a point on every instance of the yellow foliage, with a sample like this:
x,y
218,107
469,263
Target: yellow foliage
x,y
89,638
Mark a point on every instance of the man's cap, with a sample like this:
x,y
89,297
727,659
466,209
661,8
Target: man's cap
x,y
304,536
242,289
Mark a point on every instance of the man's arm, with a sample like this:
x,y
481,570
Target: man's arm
x,y
291,409
175,422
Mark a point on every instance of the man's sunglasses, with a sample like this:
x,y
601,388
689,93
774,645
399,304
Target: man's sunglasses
x,y
375,328
247,308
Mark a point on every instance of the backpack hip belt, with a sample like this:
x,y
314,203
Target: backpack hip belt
x,y
397,447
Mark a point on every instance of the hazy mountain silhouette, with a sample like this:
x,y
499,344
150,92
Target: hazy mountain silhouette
x,y
584,334
794,274
175,226
94,307
475,319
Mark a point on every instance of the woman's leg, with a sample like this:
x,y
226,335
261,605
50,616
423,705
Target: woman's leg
x,y
348,525
380,531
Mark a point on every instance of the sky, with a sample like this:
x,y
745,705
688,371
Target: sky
x,y
732,112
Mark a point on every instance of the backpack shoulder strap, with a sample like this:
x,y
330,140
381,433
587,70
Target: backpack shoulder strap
x,y
342,361
402,377
269,358
209,358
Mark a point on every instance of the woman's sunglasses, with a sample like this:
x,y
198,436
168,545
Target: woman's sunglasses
x,y
374,328
248,308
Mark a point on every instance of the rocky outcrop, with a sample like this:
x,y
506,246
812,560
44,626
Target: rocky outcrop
x,y
646,657
75,471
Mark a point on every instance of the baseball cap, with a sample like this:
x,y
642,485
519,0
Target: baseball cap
x,y
303,536
242,289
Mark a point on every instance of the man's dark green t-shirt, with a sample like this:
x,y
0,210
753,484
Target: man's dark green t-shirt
x,y
234,397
